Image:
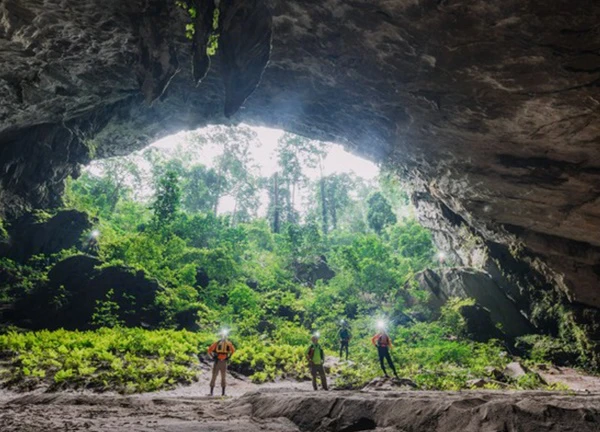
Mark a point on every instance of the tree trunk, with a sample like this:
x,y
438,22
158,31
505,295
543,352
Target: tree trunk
x,y
333,205
324,207
276,215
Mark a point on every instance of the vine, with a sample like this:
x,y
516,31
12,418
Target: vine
x,y
190,29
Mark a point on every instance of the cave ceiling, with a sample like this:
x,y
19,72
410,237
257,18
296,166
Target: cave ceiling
x,y
489,108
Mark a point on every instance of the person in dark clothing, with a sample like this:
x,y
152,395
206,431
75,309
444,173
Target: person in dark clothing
x,y
384,343
345,336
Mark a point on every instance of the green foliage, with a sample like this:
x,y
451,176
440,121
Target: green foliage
x,y
547,349
3,232
127,360
213,39
190,29
167,201
273,286
452,318
380,213
106,313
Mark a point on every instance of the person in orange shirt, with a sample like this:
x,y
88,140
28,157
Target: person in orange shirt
x,y
221,351
383,342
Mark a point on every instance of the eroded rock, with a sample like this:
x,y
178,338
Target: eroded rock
x,y
40,233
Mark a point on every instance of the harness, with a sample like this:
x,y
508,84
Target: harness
x,y
223,347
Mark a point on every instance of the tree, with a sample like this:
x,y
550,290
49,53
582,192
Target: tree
x,y
337,195
379,214
113,180
198,189
167,201
294,154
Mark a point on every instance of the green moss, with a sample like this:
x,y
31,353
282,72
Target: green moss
x,y
213,38
41,216
3,232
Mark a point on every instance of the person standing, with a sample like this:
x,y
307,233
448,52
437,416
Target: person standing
x,y
383,342
220,351
316,358
345,336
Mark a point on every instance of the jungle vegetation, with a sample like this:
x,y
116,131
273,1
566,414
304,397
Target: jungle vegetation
x,y
294,254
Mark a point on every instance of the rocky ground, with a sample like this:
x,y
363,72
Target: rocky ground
x,y
288,410
292,406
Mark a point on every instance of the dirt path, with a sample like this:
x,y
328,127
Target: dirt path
x,y
237,385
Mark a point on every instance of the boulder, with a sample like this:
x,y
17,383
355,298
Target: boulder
x,y
76,285
479,324
40,233
515,370
477,383
465,283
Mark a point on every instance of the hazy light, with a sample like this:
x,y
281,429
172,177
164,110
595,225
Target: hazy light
x,y
317,334
380,324
224,332
441,256
95,234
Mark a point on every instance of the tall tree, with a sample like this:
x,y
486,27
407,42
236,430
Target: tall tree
x,y
198,189
167,200
380,213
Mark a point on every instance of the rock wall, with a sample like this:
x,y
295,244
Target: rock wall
x,y
490,108
423,411
444,284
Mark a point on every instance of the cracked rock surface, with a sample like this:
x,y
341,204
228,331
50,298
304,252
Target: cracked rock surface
x,y
307,411
490,108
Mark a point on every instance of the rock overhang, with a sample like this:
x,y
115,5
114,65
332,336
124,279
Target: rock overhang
x,y
489,108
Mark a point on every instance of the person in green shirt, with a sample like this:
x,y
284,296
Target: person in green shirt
x,y
316,357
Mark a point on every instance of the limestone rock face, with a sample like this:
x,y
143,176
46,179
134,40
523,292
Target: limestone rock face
x,y
34,234
75,287
490,108
424,411
463,283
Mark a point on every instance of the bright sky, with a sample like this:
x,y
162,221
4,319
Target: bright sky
x,y
336,161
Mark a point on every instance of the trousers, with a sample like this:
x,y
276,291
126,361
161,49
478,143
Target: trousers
x,y
220,366
344,346
320,370
384,353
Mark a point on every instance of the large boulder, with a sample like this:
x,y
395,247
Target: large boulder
x,y
464,283
40,233
75,287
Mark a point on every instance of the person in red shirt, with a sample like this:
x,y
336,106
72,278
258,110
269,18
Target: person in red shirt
x,y
383,342
221,351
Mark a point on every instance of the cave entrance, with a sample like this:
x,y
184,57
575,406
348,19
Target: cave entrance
x,y
242,173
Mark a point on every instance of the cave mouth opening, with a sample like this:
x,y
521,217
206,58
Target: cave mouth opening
x,y
236,171
270,235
